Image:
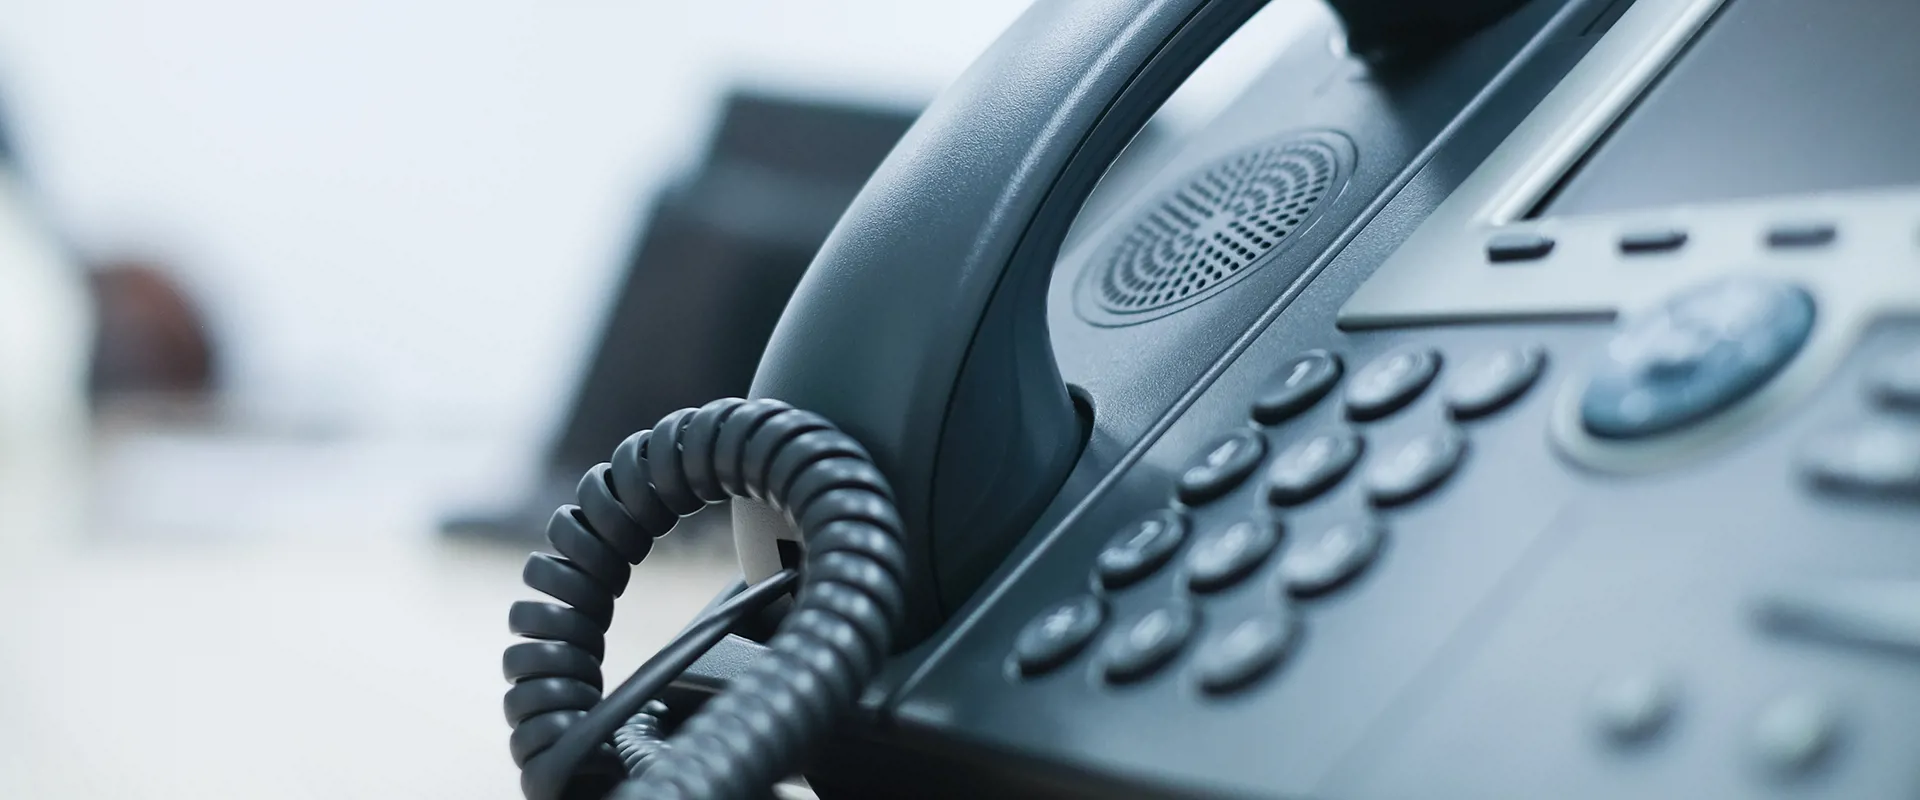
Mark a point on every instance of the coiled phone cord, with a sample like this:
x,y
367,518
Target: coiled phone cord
x,y
849,603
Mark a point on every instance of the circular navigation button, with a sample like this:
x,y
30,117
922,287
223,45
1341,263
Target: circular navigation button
x,y
1246,652
1418,467
1694,356
1326,562
1138,650
1140,549
1222,466
1296,387
1058,634
1390,382
1222,558
1311,466
1486,384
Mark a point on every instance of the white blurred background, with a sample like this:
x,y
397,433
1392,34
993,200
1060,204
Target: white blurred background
x,y
399,220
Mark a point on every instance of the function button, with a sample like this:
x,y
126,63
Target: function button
x,y
1490,382
1793,734
1140,549
1246,652
1509,247
1142,648
1895,382
1694,356
1224,557
1416,468
1296,387
1222,466
1870,615
1058,634
1635,708
1328,561
1658,240
1311,466
1801,234
1871,460
1390,382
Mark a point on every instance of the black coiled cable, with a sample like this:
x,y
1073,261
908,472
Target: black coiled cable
x,y
849,603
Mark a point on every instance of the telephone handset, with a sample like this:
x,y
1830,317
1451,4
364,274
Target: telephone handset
x,y
1450,417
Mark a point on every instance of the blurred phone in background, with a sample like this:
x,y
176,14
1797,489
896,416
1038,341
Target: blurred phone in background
x,y
715,258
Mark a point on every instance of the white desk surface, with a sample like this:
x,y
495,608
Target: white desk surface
x,y
317,640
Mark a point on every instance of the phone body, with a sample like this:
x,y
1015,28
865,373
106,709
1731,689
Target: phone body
x,y
1527,415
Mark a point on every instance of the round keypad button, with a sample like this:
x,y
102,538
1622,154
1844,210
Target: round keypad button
x,y
1136,651
1058,634
1483,385
1140,549
1221,466
1415,468
1296,386
1390,382
1309,467
1245,652
1327,561
1224,557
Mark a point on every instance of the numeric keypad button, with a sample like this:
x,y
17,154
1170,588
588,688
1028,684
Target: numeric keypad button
x,y
1246,652
1140,549
1136,651
1309,467
1296,386
1390,382
1483,385
1222,466
1224,557
1058,634
1316,566
1415,468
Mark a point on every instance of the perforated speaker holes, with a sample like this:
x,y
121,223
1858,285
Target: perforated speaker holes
x,y
1212,230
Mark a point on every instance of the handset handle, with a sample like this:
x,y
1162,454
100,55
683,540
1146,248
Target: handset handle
x,y
920,327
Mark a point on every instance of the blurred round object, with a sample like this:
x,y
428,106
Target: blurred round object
x,y
150,338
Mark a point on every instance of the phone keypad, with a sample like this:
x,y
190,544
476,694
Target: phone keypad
x,y
1305,470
